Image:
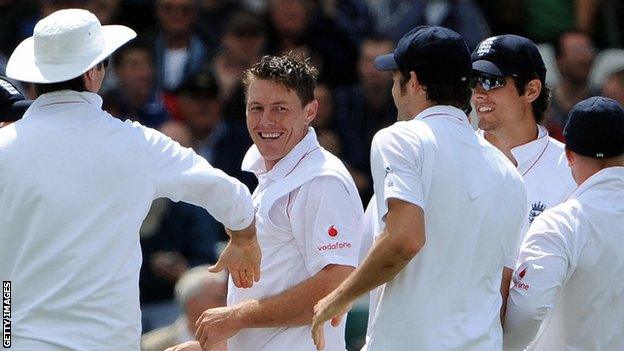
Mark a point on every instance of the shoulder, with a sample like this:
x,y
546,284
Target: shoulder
x,y
330,166
403,134
559,219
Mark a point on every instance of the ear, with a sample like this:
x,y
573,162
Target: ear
x,y
533,90
310,111
570,156
414,84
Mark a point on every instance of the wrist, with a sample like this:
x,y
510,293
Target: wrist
x,y
242,313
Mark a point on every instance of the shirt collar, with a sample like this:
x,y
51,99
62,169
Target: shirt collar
x,y
527,154
607,175
443,110
64,97
254,162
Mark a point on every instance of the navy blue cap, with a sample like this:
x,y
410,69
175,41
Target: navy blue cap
x,y
12,102
437,54
507,55
595,128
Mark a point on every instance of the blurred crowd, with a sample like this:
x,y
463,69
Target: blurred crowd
x,y
183,76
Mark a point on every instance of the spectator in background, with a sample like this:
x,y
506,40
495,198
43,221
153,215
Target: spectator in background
x,y
213,16
174,237
136,96
575,53
332,139
243,42
352,16
104,10
179,50
197,291
223,142
396,17
298,25
16,22
613,87
364,108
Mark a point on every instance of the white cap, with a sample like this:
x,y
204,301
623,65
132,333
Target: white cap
x,y
65,45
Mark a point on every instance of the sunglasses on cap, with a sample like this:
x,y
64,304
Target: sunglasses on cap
x,y
487,81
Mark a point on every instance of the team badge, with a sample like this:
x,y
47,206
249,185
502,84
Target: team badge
x,y
536,210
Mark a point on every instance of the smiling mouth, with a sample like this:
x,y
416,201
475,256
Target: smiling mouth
x,y
270,136
485,109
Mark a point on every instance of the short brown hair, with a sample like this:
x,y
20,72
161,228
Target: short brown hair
x,y
293,72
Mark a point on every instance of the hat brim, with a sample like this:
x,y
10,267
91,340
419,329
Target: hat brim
x,y
386,62
22,65
487,67
15,111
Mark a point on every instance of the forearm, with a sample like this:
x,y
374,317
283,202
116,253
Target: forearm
x,y
292,307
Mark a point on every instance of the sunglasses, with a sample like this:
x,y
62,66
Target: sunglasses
x,y
105,62
487,81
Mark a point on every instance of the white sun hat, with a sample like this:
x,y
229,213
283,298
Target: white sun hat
x,y
65,45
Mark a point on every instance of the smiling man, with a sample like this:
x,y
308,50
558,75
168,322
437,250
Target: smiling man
x,y
510,96
308,218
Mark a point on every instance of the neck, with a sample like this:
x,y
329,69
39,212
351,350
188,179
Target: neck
x,y
511,137
177,41
270,164
416,107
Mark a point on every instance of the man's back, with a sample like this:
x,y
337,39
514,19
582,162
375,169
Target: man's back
x,y
585,232
448,297
75,185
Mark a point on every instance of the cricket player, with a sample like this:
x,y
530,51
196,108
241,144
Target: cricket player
x,y
439,187
75,186
308,219
568,291
510,97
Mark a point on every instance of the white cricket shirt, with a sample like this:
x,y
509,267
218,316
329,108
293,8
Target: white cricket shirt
x,y
570,273
75,185
308,216
447,297
544,168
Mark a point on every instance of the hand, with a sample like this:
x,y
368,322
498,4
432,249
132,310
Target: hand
x,y
187,346
327,308
242,257
216,325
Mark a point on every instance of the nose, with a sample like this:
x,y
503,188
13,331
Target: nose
x,y
268,118
478,93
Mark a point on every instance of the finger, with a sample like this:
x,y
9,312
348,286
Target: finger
x,y
256,272
319,339
198,322
337,320
218,267
247,278
236,278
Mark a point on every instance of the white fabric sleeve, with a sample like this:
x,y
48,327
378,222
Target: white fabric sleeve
x,y
401,161
326,222
543,263
181,175
517,229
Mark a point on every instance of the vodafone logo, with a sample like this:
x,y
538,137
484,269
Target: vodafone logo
x,y
332,232
518,283
522,273
334,246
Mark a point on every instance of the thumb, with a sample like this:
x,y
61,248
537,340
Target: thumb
x,y
218,267
337,320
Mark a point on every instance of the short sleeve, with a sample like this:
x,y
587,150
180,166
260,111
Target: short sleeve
x,y
327,223
180,174
397,160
